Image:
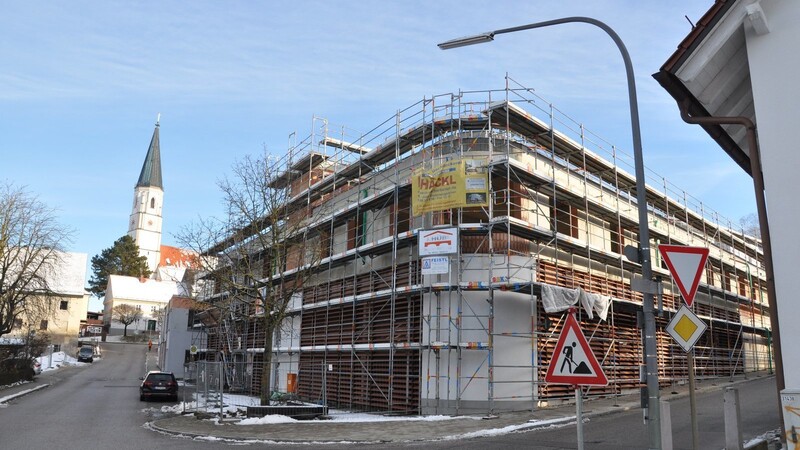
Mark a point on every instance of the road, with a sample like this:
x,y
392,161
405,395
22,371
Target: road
x,y
98,407
95,407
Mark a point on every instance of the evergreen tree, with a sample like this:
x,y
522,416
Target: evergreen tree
x,y
122,258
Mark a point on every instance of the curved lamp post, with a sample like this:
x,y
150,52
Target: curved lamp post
x,y
654,417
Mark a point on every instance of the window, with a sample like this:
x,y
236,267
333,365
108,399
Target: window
x,y
43,325
153,202
17,323
64,305
56,347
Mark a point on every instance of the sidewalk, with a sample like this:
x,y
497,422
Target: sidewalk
x,y
417,430
41,381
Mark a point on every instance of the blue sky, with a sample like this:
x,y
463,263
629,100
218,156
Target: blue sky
x,y
81,84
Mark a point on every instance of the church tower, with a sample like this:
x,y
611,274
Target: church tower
x,y
148,197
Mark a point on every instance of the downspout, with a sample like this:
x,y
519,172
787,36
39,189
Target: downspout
x,y
763,223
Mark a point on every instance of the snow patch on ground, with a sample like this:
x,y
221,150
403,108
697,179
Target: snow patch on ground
x,y
266,420
18,383
59,359
769,436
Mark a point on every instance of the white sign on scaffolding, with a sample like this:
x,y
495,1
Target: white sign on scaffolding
x,y
435,265
441,241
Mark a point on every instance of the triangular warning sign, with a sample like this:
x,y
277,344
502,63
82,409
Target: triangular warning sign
x,y
686,266
573,361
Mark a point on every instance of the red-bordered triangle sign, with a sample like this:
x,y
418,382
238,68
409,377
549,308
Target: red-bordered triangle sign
x,y
686,266
573,361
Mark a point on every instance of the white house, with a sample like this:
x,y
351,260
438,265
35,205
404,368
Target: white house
x,y
740,60
148,295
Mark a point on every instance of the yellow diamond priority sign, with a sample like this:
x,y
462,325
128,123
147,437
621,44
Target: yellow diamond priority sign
x,y
686,328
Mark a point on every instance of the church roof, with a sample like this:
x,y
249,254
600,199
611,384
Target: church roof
x,y
151,169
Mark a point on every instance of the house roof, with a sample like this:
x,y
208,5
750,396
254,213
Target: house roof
x,y
709,74
69,274
131,288
179,302
174,256
151,169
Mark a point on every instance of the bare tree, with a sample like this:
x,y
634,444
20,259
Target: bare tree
x,y
750,225
31,247
260,254
126,315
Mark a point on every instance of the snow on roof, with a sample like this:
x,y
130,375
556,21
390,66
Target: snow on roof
x,y
69,274
169,273
131,288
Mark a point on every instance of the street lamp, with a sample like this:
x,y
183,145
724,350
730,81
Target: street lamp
x,y
651,363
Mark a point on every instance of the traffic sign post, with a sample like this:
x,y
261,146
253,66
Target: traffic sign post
x,y
686,266
574,363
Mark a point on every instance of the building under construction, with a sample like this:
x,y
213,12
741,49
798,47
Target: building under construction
x,y
536,210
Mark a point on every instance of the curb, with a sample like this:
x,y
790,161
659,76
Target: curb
x,y
8,398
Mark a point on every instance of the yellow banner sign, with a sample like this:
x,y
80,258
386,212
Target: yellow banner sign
x,y
454,184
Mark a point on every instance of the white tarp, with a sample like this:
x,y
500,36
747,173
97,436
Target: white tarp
x,y
556,299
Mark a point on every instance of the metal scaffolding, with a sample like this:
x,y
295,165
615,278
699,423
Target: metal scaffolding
x,y
370,332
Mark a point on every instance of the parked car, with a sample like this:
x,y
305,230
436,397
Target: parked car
x,y
158,384
86,354
37,366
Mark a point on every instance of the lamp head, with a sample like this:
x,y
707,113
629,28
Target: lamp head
x,y
468,40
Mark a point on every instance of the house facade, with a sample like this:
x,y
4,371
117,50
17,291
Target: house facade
x,y
147,295
739,63
65,310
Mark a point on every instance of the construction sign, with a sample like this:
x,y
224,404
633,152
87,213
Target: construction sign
x,y
686,265
686,328
573,361
456,183
442,241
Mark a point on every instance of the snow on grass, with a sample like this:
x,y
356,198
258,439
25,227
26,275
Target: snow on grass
x,y
266,420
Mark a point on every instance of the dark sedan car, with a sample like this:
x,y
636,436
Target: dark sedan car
x,y
158,384
86,354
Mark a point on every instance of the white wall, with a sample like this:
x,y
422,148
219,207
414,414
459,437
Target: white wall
x,y
176,340
774,66
512,356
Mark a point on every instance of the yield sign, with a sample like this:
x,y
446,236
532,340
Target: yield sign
x,y
686,266
573,361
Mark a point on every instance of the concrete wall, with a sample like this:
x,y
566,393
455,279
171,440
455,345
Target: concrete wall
x,y
175,339
774,66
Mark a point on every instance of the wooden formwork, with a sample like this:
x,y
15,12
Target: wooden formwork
x,y
374,380
617,343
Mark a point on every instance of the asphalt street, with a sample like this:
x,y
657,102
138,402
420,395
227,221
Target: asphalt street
x,y
98,407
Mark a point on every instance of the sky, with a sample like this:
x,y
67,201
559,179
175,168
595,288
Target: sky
x,y
81,85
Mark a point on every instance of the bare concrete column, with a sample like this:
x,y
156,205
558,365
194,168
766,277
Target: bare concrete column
x,y
666,426
733,429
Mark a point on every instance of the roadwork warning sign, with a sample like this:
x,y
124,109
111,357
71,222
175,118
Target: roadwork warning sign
x,y
573,361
